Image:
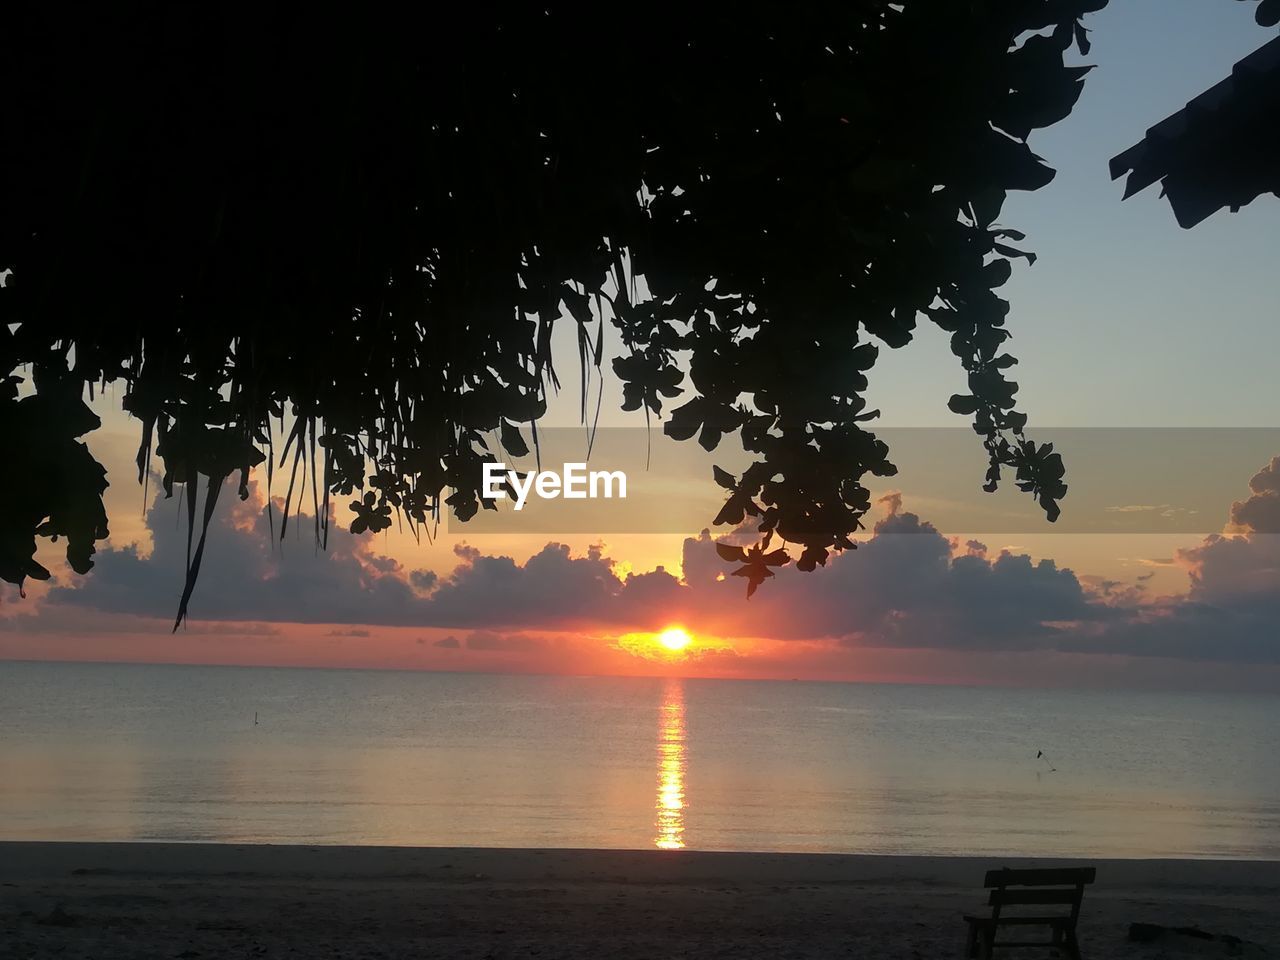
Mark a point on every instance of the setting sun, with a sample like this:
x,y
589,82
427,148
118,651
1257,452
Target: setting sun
x,y
672,646
674,639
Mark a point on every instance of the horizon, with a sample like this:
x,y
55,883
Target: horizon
x,y
663,677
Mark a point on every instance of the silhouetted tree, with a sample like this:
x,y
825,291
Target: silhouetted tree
x,y
362,227
1223,148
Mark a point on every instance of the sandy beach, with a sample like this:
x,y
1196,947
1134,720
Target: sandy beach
x,y
106,901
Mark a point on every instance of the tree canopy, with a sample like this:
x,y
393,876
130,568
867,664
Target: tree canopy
x,y
1222,149
339,243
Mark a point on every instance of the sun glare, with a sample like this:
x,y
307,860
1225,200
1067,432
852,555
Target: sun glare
x,y
674,639
672,646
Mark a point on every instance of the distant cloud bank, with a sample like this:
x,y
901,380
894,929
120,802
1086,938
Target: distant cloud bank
x,y
908,586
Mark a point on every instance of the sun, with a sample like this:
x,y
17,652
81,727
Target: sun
x,y
674,639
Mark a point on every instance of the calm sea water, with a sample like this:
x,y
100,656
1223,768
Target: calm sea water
x,y
98,752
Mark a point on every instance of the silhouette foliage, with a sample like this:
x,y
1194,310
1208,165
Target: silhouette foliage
x,y
339,244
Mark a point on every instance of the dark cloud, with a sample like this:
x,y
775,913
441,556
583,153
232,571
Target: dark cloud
x,y
895,590
902,587
423,580
448,643
1231,612
1229,570
906,586
248,574
68,620
1261,512
1117,591
552,589
1188,629
484,640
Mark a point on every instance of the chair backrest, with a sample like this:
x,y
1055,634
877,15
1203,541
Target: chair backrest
x,y
1054,886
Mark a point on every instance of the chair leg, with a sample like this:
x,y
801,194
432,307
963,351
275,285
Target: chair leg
x,y
971,942
1073,946
988,943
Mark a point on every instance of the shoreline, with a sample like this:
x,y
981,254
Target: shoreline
x,y
1176,689
113,900
523,863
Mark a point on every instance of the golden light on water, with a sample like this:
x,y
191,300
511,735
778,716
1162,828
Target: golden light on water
x,y
672,762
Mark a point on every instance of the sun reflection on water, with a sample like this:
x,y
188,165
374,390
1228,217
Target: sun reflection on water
x,y
672,762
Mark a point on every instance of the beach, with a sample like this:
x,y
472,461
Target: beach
x,y
117,900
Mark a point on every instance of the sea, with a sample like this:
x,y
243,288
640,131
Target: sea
x,y
264,755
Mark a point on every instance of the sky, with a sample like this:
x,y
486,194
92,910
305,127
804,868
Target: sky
x,y
1125,321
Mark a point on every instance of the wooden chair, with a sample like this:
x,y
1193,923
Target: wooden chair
x,y
1030,888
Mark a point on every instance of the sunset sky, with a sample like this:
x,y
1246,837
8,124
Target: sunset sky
x,y
1125,321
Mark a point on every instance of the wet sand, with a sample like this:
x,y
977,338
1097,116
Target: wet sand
x,y
108,901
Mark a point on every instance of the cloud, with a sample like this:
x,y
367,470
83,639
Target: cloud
x,y
1231,611
892,502
907,586
1184,628
483,640
1117,592
248,574
69,620
423,580
1166,510
1261,512
904,586
1234,569
552,589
